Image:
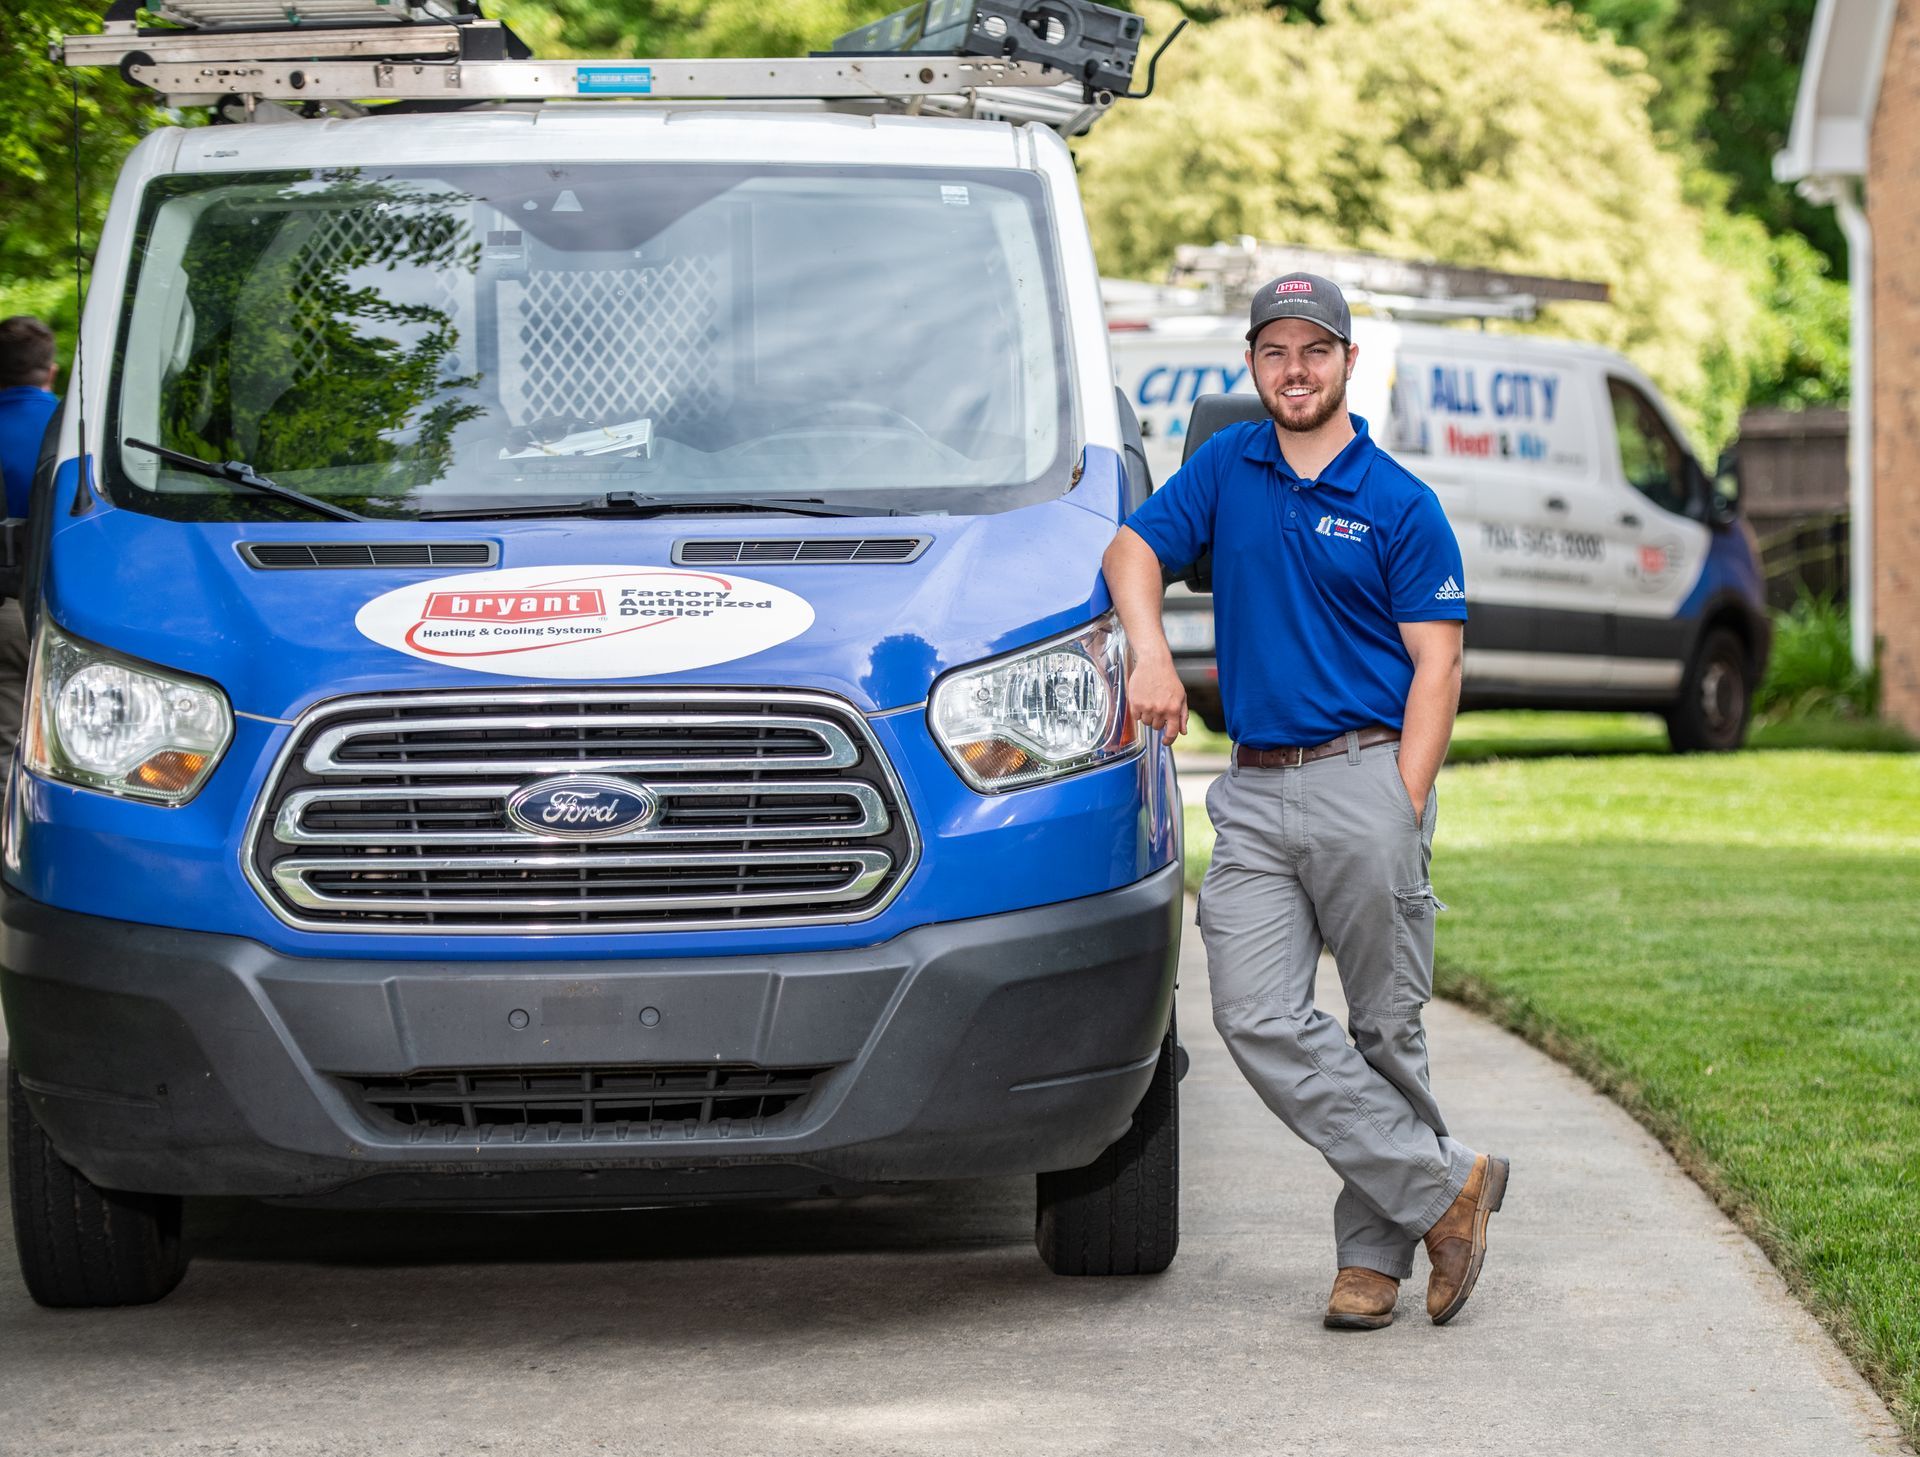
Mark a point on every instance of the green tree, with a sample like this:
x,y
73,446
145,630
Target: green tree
x,y
683,27
1729,73
39,107
1503,134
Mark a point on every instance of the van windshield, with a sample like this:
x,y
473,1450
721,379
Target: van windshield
x,y
407,341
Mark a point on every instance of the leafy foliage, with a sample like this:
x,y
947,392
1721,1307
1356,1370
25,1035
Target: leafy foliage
x,y
37,111
683,27
1728,72
1811,673
1501,134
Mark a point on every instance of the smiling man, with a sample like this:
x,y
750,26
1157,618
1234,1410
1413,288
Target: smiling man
x,y
1339,606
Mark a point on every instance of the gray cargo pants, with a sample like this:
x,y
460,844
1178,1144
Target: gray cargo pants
x,y
1332,852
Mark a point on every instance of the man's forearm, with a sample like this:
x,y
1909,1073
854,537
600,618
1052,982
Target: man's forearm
x,y
1134,582
1432,702
1153,686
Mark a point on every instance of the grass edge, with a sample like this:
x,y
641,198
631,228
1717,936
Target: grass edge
x,y
1526,1021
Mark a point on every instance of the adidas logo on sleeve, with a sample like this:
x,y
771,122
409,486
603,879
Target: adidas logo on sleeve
x,y
1450,591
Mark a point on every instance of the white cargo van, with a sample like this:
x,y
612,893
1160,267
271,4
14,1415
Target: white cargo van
x,y
1605,569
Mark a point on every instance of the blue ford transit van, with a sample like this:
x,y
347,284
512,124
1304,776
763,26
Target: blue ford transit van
x,y
645,724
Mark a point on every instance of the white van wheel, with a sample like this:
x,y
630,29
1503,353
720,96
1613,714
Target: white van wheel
x,y
1716,697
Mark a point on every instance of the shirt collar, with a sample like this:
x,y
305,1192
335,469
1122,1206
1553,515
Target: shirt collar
x,y
1345,472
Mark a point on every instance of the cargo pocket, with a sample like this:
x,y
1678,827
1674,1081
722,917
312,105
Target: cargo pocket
x,y
1413,911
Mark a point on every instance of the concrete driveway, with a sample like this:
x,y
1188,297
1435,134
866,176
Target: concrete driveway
x,y
1620,1314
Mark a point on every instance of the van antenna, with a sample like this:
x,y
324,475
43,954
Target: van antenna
x,y
83,495
1153,63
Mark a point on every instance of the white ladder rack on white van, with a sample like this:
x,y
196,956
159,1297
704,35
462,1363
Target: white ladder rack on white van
x,y
1057,62
1228,273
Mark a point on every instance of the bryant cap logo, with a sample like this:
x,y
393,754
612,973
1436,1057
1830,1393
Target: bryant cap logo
x,y
1293,285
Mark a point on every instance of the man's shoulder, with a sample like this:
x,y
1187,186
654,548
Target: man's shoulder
x,y
28,400
1395,489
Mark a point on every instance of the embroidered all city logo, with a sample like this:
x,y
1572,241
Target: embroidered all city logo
x,y
583,807
584,622
1342,529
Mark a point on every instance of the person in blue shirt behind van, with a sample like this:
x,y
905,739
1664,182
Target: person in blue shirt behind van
x,y
1340,603
27,403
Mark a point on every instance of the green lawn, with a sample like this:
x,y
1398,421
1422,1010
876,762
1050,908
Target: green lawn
x,y
1730,945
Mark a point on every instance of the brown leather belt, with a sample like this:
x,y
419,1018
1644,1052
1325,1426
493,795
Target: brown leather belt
x,y
1293,758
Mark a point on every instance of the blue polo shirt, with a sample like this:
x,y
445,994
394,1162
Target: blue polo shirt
x,y
24,412
1310,579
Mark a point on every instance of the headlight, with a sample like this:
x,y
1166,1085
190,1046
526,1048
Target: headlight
x,y
104,721
1046,711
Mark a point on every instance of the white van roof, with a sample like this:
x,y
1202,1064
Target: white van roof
x,y
1538,346
626,132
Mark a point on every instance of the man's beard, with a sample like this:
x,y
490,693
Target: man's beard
x,y
1333,401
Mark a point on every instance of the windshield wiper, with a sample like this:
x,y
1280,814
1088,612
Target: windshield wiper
x,y
239,473
639,508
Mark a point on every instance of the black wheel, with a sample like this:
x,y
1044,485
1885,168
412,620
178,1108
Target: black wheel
x,y
80,1245
1120,1215
1716,697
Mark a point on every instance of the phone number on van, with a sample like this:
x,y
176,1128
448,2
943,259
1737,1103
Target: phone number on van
x,y
1572,546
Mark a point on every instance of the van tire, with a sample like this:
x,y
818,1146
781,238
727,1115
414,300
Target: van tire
x,y
1120,1215
80,1245
1716,697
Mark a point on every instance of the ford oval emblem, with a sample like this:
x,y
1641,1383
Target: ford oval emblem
x,y
582,807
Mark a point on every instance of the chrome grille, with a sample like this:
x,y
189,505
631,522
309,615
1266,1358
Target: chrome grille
x,y
390,814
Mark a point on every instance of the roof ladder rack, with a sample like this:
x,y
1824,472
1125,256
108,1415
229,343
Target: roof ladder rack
x,y
1058,62
1230,272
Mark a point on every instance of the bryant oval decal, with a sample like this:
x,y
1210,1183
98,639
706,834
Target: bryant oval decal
x,y
584,622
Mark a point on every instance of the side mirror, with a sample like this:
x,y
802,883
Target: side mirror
x,y
1723,502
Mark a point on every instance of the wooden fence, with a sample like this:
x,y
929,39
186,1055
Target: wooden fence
x,y
1793,470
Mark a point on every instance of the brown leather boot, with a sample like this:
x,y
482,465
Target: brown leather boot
x,y
1457,1244
1362,1300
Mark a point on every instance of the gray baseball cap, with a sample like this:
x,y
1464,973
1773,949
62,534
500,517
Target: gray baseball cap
x,y
1302,296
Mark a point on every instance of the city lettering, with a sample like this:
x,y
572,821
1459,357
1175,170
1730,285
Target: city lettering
x,y
1511,394
1164,385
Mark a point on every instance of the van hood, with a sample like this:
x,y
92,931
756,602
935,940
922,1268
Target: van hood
x,y
593,601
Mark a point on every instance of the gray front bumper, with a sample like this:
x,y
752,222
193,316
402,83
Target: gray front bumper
x,y
179,1062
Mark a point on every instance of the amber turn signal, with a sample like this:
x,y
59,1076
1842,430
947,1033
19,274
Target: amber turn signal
x,y
171,770
995,758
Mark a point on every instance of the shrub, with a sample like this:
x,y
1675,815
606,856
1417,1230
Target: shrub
x,y
1811,673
